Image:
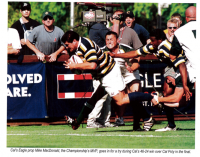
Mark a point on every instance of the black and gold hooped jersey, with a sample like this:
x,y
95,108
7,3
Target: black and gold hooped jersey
x,y
89,51
162,53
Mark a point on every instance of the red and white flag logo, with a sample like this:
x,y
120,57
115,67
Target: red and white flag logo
x,y
71,77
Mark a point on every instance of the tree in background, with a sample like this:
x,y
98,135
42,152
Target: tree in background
x,y
145,13
175,8
60,10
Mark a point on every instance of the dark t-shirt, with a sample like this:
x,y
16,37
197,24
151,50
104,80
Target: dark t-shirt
x,y
97,33
29,26
143,34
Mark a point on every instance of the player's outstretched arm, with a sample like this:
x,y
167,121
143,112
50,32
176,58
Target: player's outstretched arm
x,y
130,54
80,66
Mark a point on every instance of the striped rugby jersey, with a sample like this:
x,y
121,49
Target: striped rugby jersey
x,y
162,53
89,51
123,48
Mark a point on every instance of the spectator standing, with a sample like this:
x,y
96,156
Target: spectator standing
x,y
143,34
24,26
176,16
47,39
14,45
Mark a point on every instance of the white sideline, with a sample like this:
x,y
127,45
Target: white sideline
x,y
95,135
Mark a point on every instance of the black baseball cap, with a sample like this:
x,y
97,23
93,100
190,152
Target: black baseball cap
x,y
25,6
129,14
47,13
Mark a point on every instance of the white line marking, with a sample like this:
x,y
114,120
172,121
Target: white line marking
x,y
95,135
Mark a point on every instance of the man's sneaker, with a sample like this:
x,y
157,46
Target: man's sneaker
x,y
95,125
167,128
108,124
72,122
147,125
119,122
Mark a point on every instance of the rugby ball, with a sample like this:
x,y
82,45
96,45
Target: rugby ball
x,y
76,59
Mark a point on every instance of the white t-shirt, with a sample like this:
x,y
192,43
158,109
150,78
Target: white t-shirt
x,y
188,42
13,39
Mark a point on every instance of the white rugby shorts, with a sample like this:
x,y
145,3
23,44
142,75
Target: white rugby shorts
x,y
128,77
113,82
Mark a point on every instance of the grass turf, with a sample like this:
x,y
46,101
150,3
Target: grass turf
x,y
62,136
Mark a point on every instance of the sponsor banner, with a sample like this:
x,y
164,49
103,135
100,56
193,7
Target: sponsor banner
x,y
37,90
67,92
26,97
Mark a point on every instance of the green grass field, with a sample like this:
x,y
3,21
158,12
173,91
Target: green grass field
x,y
62,136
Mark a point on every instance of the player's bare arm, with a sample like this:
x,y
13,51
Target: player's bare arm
x,y
174,98
130,54
135,63
183,72
80,66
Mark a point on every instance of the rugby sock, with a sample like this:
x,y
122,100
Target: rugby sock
x,y
139,111
144,114
87,108
170,116
139,96
136,115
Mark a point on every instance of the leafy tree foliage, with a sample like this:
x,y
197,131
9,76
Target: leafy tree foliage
x,y
60,10
176,8
145,13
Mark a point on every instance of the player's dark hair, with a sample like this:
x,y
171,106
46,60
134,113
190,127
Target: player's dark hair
x,y
158,33
111,32
69,36
176,15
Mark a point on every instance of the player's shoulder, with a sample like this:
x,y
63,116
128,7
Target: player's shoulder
x,y
103,48
165,44
87,42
